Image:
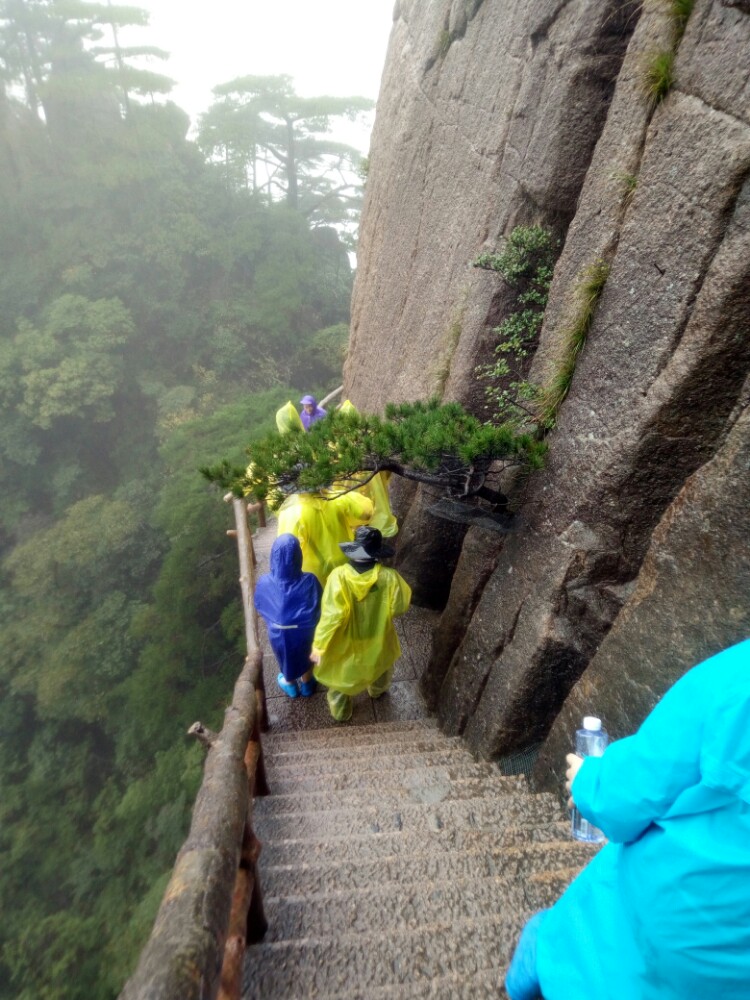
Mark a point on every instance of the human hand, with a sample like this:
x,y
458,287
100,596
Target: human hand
x,y
574,764
315,657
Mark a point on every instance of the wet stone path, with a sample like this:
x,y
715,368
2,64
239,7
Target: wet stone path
x,y
402,702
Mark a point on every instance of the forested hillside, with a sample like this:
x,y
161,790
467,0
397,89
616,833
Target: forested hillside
x,y
159,298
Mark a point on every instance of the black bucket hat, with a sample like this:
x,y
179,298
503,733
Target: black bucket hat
x,y
367,546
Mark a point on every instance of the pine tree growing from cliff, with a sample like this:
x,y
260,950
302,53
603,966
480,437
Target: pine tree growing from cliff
x,y
439,445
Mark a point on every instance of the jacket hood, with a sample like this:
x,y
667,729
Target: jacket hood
x,y
286,558
288,420
360,584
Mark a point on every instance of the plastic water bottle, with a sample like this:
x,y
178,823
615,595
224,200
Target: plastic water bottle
x,y
591,741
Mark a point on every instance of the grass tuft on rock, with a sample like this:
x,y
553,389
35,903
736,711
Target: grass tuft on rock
x,y
590,288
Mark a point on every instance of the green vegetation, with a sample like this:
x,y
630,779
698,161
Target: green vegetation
x,y
589,289
526,263
660,75
274,143
445,40
442,366
428,442
151,317
681,11
629,184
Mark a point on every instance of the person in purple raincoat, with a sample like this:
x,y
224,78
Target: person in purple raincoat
x,y
288,601
311,413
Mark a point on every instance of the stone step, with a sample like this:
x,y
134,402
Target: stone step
x,y
350,734
544,888
394,791
369,847
294,780
413,906
324,965
370,752
310,896
450,987
472,813
393,758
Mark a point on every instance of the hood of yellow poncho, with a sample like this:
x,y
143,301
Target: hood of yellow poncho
x,y
360,584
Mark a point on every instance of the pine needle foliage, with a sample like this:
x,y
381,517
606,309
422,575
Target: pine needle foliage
x,y
442,445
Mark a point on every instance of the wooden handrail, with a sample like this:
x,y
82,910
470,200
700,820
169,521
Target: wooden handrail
x,y
331,395
213,904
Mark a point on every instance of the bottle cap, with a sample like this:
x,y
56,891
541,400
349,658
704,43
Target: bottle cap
x,y
591,723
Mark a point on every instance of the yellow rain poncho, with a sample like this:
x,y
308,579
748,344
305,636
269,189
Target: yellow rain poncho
x,y
355,635
320,525
288,419
376,490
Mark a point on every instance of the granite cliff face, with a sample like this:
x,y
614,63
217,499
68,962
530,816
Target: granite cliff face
x,y
631,558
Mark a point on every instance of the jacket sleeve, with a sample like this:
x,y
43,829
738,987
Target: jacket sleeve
x,y
638,779
400,595
334,613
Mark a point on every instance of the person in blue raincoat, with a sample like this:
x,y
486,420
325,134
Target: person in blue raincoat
x,y
288,600
663,911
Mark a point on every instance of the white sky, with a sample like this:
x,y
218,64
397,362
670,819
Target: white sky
x,y
334,47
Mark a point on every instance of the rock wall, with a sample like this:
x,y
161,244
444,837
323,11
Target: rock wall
x,y
690,601
497,114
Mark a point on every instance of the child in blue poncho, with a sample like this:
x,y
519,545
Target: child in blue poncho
x,y
288,600
663,911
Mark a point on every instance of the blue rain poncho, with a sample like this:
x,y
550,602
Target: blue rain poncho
x,y
288,600
663,911
355,635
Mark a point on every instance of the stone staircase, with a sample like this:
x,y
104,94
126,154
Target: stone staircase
x,y
396,866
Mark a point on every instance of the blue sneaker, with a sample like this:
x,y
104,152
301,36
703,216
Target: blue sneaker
x,y
307,688
288,687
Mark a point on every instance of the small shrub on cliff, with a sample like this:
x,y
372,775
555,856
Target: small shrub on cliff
x,y
526,263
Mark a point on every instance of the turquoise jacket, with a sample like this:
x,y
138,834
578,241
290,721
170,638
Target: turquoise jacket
x,y
663,911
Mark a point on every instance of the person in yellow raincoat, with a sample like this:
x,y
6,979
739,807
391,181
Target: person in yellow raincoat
x,y
355,644
376,489
287,419
320,524
287,422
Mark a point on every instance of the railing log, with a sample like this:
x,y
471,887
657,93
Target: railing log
x,y
183,957
213,904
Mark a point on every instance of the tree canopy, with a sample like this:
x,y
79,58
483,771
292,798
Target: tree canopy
x,y
150,318
275,143
441,445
